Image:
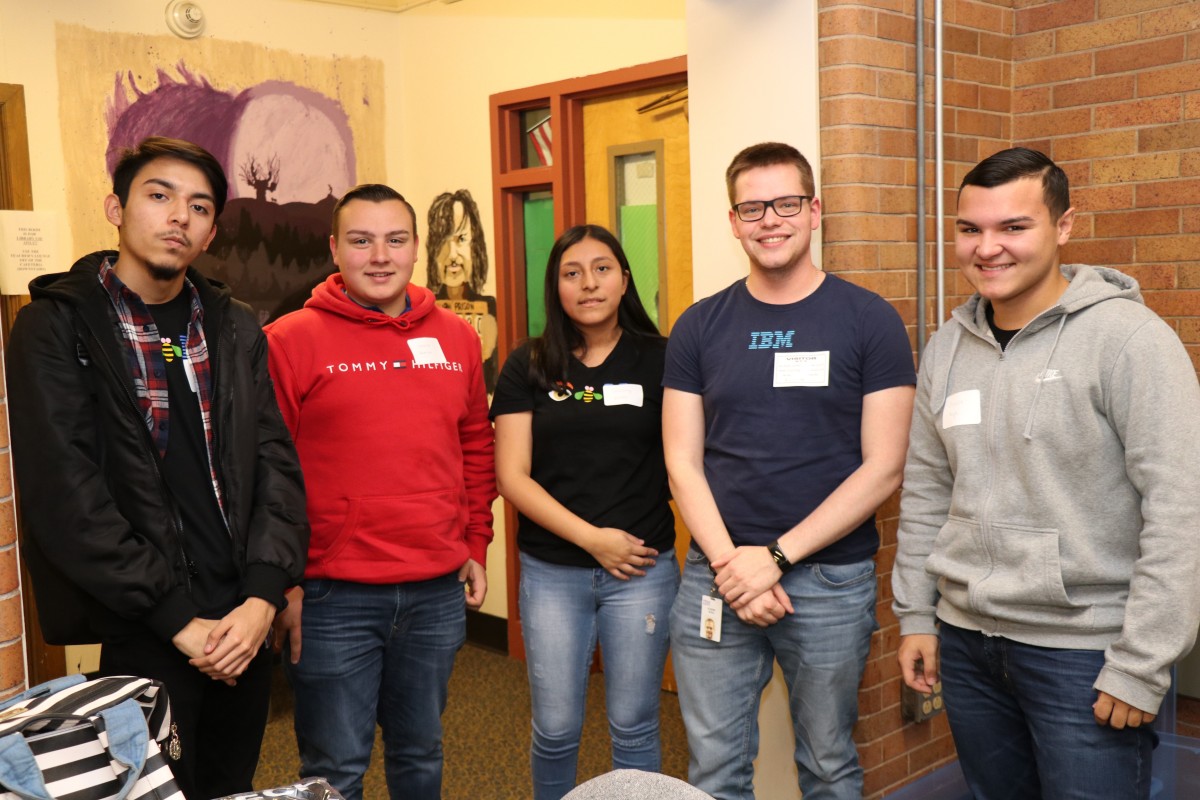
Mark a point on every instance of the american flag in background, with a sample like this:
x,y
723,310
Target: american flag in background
x,y
541,137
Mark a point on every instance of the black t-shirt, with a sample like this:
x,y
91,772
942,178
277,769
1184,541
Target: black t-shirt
x,y
597,446
1003,337
185,467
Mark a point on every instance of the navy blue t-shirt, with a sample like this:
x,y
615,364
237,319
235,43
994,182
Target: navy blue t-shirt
x,y
782,387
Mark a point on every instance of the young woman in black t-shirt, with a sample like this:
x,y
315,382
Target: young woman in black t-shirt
x,y
579,454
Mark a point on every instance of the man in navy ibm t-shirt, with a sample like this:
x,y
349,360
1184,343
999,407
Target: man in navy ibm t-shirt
x,y
785,423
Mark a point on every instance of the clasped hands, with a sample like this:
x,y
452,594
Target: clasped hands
x,y
748,579
223,648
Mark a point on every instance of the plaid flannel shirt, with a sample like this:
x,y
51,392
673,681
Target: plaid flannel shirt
x,y
148,366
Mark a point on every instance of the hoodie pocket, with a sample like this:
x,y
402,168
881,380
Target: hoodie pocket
x,y
1012,566
387,527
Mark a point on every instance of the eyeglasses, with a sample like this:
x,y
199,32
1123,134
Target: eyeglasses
x,y
754,210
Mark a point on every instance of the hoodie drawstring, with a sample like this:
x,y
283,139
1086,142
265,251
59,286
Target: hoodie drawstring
x,y
938,401
1041,378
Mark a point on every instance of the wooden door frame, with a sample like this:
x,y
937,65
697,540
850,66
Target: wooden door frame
x,y
565,180
43,661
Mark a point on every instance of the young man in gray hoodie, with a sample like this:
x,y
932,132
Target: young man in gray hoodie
x,y
1048,561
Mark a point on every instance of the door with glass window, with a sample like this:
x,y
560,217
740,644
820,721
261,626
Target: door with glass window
x,y
609,149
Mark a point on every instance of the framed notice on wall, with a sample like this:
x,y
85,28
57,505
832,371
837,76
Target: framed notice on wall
x,y
30,245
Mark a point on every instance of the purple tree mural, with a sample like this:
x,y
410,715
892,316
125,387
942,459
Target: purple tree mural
x,y
262,177
272,240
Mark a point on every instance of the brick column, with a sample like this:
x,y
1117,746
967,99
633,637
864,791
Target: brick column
x,y
12,643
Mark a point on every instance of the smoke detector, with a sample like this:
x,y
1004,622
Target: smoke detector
x,y
185,19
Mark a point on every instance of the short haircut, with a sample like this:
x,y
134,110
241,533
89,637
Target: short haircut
x,y
372,193
1023,162
441,228
132,160
768,154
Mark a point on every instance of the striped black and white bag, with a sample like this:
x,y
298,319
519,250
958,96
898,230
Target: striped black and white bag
x,y
75,739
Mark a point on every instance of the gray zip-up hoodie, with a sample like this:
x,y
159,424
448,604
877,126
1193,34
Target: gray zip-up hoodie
x,y
1052,490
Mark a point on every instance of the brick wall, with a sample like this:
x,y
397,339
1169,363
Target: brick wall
x,y
12,650
1108,88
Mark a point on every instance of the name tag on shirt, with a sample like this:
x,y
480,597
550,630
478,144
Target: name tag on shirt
x,y
190,371
962,408
426,350
802,369
623,394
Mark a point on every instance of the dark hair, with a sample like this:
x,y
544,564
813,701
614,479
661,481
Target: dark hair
x,y
550,353
441,228
768,154
132,160
1022,162
371,193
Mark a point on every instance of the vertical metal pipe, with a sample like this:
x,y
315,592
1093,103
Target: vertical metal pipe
x,y
939,160
921,183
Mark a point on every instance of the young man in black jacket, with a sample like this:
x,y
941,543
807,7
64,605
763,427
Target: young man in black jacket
x,y
162,506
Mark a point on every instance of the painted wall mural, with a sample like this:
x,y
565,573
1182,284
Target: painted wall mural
x,y
293,132
457,269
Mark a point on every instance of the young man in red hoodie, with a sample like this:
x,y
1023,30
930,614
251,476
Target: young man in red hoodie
x,y
383,392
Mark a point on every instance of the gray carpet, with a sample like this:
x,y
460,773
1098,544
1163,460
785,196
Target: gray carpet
x,y
487,734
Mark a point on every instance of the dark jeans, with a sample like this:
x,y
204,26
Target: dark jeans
x,y
1022,721
376,653
220,727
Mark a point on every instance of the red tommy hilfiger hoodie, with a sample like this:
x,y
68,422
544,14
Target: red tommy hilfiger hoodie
x,y
389,415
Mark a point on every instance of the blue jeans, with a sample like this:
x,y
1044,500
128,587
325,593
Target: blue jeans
x,y
564,610
821,649
1022,721
376,653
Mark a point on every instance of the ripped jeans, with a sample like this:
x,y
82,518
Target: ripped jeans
x,y
564,611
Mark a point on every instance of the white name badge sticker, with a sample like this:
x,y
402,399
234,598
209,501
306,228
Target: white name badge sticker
x,y
962,408
802,369
426,351
623,394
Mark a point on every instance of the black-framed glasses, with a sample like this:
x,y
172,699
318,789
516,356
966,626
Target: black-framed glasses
x,y
754,210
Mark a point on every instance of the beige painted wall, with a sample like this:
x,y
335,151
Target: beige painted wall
x,y
752,76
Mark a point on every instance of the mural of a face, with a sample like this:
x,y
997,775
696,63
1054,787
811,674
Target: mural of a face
x,y
456,268
454,263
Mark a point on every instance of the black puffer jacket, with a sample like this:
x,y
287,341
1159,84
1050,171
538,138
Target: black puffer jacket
x,y
100,531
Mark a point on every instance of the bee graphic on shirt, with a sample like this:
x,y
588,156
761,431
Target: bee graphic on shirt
x,y
562,391
588,395
173,351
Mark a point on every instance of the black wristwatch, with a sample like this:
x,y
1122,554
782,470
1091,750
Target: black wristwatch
x,y
781,560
